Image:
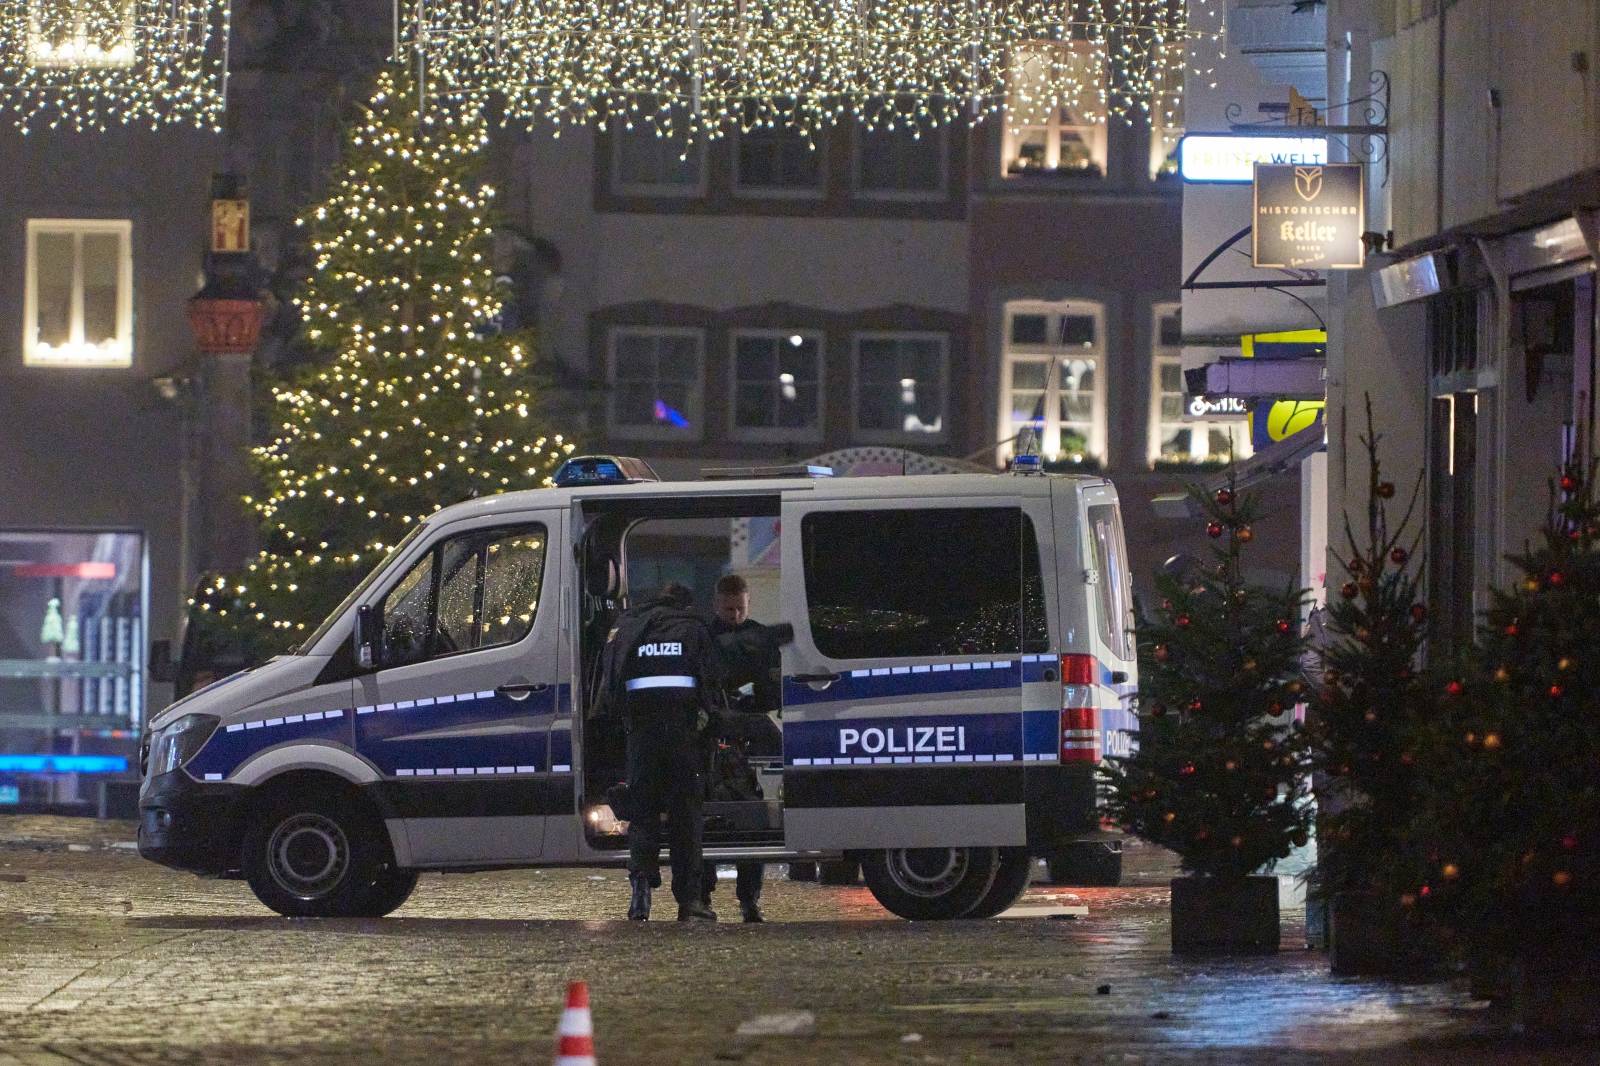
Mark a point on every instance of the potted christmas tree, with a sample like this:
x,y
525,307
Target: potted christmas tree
x,y
1510,811
1363,725
1218,776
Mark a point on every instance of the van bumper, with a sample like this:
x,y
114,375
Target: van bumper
x,y
1061,804
191,825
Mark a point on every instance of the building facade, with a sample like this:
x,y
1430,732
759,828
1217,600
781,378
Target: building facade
x,y
1473,333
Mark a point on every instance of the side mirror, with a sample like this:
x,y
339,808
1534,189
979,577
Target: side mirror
x,y
368,637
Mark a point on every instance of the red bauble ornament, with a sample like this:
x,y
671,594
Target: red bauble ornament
x,y
1385,489
1569,483
1511,629
1224,497
1214,529
1399,556
1183,621
1283,625
1556,691
1187,770
1453,689
1557,577
1569,842
1348,590
1425,891
1419,613
1195,706
1161,653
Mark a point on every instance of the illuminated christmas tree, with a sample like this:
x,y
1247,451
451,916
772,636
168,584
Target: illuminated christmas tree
x,y
1218,776
415,400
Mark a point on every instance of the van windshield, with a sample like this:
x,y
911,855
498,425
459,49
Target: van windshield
x,y
360,589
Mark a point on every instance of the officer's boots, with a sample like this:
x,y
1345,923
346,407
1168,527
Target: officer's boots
x,y
639,905
696,912
751,912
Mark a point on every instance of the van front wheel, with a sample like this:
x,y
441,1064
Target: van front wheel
x,y
317,853
930,884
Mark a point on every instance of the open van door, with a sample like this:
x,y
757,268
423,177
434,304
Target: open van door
x,y
902,691
1109,591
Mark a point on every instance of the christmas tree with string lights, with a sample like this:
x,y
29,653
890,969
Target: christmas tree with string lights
x,y
1374,697
1509,813
1218,775
414,400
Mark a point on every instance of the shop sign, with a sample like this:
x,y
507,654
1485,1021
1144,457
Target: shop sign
x,y
1309,217
1231,158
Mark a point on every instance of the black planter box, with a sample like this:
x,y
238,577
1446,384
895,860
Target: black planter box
x,y
1371,937
1217,916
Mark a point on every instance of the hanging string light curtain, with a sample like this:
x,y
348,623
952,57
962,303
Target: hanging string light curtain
x,y
704,67
89,64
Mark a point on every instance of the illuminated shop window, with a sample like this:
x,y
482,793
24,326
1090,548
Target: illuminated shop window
x,y
72,654
1179,435
657,380
1055,120
1053,358
78,299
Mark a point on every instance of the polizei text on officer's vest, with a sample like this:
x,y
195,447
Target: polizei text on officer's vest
x,y
664,647
903,740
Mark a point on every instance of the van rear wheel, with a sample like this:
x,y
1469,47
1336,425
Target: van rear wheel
x,y
1010,882
318,853
930,884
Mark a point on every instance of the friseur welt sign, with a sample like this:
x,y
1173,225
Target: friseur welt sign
x,y
1309,217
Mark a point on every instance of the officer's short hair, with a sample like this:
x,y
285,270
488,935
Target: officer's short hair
x,y
732,585
677,594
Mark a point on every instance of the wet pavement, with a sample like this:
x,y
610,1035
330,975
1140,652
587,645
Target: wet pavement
x,y
108,959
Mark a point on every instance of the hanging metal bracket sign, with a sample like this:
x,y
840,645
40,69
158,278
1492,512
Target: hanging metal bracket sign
x,y
1309,217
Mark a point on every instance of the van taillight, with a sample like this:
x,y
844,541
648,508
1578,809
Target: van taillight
x,y
1077,669
1080,734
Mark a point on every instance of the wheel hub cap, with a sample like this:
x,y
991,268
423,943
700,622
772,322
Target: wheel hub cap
x,y
308,855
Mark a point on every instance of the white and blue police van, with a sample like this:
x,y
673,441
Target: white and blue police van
x,y
961,664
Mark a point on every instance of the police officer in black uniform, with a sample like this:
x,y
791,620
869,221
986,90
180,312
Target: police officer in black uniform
x,y
750,651
659,665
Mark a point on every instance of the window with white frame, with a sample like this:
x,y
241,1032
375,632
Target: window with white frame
x,y
1179,435
1055,119
901,386
777,160
903,163
657,378
646,163
78,298
777,385
1054,353
73,33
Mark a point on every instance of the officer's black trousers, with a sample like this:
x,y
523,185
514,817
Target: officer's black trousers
x,y
664,777
747,887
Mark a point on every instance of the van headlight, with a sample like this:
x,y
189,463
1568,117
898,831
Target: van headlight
x,y
175,744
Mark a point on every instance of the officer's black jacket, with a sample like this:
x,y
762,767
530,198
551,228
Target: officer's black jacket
x,y
750,652
657,639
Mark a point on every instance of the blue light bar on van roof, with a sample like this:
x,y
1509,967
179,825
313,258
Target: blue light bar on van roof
x,y
63,764
603,470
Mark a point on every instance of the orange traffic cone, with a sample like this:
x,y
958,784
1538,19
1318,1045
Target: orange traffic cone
x,y
575,1037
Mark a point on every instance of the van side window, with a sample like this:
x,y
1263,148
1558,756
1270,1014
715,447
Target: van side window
x,y
1105,535
945,582
475,590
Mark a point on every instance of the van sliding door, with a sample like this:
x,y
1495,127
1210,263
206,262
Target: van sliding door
x,y
902,694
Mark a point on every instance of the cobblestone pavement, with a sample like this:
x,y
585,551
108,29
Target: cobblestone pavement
x,y
106,959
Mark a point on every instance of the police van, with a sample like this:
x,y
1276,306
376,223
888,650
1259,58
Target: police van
x,y
962,661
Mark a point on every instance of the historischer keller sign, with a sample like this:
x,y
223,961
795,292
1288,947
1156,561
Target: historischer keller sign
x,y
1309,217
